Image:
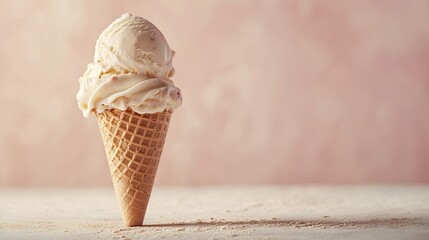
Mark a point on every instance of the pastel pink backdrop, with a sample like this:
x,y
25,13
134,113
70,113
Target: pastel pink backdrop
x,y
274,91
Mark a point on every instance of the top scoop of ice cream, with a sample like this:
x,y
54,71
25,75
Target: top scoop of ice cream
x,y
134,43
132,68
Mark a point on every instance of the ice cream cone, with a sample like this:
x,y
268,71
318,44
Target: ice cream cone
x,y
132,70
133,144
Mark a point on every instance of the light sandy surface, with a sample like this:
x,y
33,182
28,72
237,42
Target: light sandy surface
x,y
252,212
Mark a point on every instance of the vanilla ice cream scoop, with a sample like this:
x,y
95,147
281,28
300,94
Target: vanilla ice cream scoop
x,y
131,69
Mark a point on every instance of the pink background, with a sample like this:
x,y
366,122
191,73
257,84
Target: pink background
x,y
274,91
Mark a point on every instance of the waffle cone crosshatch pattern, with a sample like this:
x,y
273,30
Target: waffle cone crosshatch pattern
x,y
133,144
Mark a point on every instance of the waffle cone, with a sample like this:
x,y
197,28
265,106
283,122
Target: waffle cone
x,y
133,144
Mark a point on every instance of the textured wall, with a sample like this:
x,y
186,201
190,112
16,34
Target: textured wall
x,y
274,91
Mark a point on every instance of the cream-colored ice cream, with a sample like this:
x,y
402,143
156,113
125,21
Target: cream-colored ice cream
x,y
132,68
